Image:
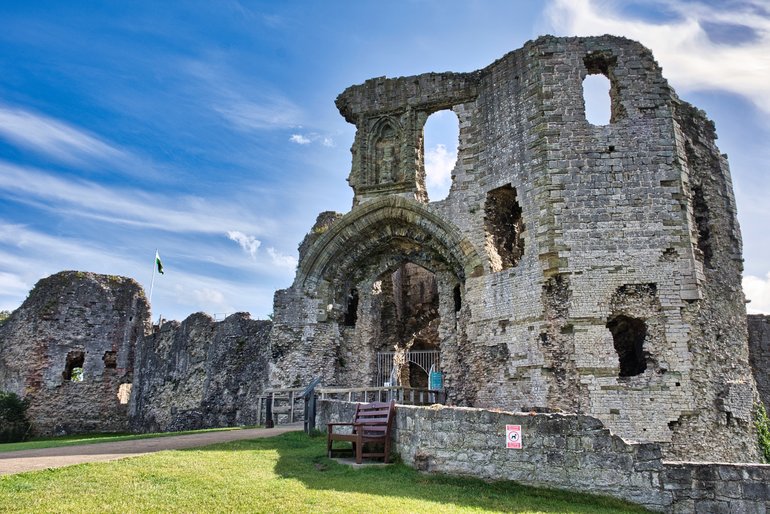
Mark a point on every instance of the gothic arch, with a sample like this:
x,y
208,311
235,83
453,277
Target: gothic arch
x,y
395,227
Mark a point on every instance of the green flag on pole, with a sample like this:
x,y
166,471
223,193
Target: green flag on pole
x,y
158,264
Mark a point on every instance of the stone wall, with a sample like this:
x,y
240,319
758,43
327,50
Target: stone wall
x,y
759,354
74,321
581,268
200,374
572,452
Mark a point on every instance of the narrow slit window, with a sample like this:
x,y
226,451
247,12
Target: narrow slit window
x,y
351,309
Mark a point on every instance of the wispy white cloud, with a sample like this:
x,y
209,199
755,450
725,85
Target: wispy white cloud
x,y
250,244
299,139
690,59
439,163
123,205
53,138
245,105
281,260
757,290
312,137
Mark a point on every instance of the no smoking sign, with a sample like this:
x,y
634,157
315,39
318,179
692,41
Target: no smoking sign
x,y
513,436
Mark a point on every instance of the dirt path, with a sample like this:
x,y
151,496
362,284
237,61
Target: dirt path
x,y
44,458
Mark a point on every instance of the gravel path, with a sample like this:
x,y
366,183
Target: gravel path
x,y
44,458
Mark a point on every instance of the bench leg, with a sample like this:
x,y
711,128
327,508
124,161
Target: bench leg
x,y
359,447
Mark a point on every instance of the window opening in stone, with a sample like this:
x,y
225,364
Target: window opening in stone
x,y
601,93
409,320
110,360
504,228
124,393
628,335
596,94
73,367
441,135
458,298
351,308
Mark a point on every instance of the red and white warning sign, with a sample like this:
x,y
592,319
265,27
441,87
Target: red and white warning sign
x,y
513,436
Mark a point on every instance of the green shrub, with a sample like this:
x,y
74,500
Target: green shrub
x,y
13,421
762,422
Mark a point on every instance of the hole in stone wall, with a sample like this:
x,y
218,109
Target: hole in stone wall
x,y
73,367
628,336
504,227
110,360
601,92
596,94
124,393
457,298
351,308
440,138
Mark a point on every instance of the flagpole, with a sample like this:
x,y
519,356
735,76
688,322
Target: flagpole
x,y
152,283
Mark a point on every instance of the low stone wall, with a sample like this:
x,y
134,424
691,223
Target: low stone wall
x,y
572,452
200,374
717,488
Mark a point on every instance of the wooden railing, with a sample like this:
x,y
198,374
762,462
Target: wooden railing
x,y
298,404
402,395
281,405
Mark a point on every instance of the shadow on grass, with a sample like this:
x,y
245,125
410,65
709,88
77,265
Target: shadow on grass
x,y
304,458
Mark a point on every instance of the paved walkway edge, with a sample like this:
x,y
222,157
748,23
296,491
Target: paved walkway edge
x,y
45,458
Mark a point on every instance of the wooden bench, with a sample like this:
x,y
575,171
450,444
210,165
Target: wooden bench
x,y
371,424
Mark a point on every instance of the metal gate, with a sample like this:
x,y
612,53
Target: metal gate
x,y
422,358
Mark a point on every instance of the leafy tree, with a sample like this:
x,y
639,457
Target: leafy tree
x,y
4,315
13,422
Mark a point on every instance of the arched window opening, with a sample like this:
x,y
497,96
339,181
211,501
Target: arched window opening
x,y
504,228
628,335
458,298
441,135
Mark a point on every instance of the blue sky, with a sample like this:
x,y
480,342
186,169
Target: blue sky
x,y
208,130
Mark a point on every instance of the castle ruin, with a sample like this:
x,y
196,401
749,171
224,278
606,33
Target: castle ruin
x,y
572,267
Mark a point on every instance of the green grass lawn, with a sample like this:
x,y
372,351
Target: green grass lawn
x,y
69,440
288,473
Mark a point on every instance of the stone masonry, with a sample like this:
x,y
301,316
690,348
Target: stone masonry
x,y
200,374
565,451
759,353
74,322
575,268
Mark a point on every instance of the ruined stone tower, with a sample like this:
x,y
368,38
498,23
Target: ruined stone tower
x,y
69,351
592,269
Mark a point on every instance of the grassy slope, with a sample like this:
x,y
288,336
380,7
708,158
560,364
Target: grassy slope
x,y
56,442
287,473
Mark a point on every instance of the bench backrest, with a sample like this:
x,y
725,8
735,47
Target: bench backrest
x,y
377,417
